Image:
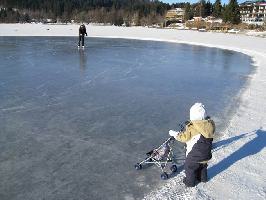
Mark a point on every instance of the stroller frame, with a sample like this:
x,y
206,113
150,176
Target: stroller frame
x,y
162,162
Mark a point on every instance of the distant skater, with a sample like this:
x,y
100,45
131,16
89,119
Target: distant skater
x,y
82,32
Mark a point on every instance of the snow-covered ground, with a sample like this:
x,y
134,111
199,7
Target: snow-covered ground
x,y
257,33
237,170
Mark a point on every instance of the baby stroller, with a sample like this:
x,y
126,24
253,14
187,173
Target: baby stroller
x,y
161,157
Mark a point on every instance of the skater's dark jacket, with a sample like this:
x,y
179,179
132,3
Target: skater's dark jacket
x,y
198,136
82,30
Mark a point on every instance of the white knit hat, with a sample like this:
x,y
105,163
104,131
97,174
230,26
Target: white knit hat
x,y
197,112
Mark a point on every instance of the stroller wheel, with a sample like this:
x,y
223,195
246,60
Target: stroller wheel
x,y
138,166
173,168
164,176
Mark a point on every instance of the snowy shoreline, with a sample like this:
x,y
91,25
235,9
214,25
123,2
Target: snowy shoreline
x,y
236,170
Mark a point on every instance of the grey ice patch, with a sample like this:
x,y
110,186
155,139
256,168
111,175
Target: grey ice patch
x,y
141,180
129,197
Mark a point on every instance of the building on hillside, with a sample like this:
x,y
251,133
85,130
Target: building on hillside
x,y
207,24
175,14
174,17
253,12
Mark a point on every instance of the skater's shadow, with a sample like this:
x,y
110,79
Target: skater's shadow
x,y
250,148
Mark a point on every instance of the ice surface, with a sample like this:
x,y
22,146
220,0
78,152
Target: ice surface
x,y
73,123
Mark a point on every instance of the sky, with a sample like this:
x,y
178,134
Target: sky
x,y
193,1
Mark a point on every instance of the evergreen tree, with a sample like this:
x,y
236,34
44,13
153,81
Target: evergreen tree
x,y
197,8
25,18
188,12
208,9
202,9
9,16
217,9
232,13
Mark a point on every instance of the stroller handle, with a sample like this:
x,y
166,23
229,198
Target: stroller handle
x,y
170,139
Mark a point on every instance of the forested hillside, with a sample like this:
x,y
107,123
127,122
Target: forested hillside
x,y
137,12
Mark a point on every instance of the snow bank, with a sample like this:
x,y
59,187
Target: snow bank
x,y
256,33
237,170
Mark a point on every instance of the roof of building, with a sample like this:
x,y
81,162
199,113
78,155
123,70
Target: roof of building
x,y
260,2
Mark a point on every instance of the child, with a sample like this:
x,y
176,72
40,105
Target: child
x,y
198,136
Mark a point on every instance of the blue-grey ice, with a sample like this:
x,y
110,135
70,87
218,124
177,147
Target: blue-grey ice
x,y
73,123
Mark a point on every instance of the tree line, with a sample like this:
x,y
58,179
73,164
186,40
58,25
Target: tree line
x,y
137,12
227,12
117,12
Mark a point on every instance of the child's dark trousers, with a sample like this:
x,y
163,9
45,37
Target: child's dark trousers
x,y
195,172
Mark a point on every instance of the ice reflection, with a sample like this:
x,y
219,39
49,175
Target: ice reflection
x,y
82,61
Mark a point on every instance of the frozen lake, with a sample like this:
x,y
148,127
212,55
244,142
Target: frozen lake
x,y
73,123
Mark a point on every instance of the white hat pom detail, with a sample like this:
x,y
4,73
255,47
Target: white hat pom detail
x,y
197,112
